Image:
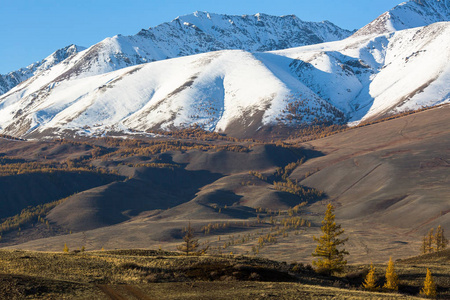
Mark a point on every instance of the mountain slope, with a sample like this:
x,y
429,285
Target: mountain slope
x,y
370,77
213,89
199,32
202,32
239,92
410,14
12,79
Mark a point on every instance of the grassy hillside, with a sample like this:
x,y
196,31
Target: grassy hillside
x,y
148,274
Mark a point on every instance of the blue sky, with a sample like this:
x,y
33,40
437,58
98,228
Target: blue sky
x,y
30,30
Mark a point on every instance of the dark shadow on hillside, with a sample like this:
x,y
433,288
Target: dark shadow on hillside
x,y
227,202
23,190
260,157
152,189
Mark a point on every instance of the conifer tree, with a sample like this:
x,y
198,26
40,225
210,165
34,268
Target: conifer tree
x,y
424,246
66,249
330,258
370,281
190,244
430,241
441,241
391,277
429,287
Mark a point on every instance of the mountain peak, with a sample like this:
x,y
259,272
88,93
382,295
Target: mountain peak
x,y
201,14
410,14
10,80
241,89
198,32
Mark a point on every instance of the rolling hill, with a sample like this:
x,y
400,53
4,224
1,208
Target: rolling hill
x,y
389,182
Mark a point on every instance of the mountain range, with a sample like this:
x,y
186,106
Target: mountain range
x,y
235,74
199,32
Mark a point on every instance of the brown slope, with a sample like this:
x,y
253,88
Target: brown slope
x,y
395,172
389,181
21,191
261,157
152,189
163,188
236,196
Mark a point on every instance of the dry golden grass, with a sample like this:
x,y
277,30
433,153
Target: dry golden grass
x,y
139,274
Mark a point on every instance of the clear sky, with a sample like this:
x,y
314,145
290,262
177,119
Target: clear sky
x,y
30,30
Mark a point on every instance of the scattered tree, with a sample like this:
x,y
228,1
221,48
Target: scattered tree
x,y
66,249
190,244
330,258
424,247
434,241
370,281
391,277
430,241
441,240
429,287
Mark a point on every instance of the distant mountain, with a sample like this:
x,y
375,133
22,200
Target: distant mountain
x,y
199,32
410,14
12,79
203,32
109,89
239,92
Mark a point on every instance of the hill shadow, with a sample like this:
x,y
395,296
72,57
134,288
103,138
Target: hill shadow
x,y
23,190
152,189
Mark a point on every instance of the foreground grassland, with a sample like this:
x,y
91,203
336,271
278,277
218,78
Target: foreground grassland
x,y
146,274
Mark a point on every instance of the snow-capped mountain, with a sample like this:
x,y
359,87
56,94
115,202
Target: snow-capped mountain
x,y
12,79
202,32
110,88
196,33
410,14
357,78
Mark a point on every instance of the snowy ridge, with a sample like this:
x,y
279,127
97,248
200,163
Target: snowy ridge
x,y
355,79
133,84
12,79
199,32
410,14
202,32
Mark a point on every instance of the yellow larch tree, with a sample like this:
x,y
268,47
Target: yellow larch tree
x,y
429,287
440,239
391,277
370,281
430,241
329,258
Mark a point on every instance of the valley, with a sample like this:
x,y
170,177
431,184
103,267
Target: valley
x,y
240,189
